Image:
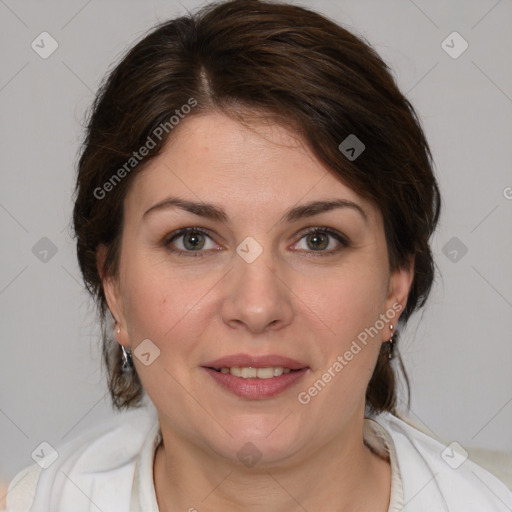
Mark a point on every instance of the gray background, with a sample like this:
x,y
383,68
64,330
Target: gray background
x,y
458,353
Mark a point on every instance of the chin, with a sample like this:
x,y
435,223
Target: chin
x,y
263,442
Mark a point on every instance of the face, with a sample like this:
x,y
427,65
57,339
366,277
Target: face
x,y
254,291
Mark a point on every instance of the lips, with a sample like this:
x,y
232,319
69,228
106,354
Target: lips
x,y
239,379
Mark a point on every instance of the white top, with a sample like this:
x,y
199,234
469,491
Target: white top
x,y
111,469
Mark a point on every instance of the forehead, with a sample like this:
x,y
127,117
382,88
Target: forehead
x,y
216,159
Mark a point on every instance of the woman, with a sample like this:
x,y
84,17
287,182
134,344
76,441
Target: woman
x,y
254,204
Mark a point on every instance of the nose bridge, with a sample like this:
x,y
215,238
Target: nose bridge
x,y
256,296
257,272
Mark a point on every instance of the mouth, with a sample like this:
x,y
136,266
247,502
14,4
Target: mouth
x,y
250,372
256,377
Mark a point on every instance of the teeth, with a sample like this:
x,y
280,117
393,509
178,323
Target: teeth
x,y
249,372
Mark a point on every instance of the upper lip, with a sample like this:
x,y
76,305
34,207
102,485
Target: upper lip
x,y
246,360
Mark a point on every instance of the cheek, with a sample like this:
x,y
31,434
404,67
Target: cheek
x,y
161,305
146,303
351,301
350,306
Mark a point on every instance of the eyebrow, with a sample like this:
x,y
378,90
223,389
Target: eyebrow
x,y
216,213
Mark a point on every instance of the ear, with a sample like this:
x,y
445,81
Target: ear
x,y
113,296
399,286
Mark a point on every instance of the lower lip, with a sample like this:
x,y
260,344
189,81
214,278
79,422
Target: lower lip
x,y
256,389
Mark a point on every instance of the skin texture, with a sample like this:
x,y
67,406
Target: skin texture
x,y
294,300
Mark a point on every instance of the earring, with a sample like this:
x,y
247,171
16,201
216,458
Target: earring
x,y
126,359
118,330
391,343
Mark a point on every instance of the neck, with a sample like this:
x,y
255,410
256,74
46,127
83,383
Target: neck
x,y
343,475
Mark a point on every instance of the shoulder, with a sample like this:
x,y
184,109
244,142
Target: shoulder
x,y
96,467
438,477
20,493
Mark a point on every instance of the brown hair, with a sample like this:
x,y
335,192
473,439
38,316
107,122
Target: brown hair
x,y
277,61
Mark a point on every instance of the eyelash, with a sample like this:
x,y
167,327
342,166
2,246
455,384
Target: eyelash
x,y
200,253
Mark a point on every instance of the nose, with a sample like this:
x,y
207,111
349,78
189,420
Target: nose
x,y
256,296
